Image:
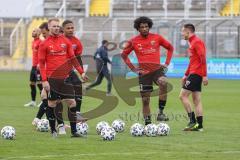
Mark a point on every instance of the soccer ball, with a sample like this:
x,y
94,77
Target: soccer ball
x,y
108,133
43,125
100,126
150,130
137,129
118,125
82,128
163,129
8,132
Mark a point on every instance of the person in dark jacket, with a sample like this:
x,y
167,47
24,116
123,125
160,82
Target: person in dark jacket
x,y
101,58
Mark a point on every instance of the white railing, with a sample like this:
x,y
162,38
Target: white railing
x,y
79,33
114,28
2,28
231,3
165,7
111,8
187,6
87,8
208,8
15,36
62,10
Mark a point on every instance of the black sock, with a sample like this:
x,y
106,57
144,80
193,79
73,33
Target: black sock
x,y
33,92
161,105
147,120
192,117
59,113
200,121
78,103
51,117
42,108
72,119
40,87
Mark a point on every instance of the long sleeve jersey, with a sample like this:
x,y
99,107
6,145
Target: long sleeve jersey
x,y
147,50
197,56
56,58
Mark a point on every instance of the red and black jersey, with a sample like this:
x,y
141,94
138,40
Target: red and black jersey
x,y
147,50
76,45
197,56
35,46
56,58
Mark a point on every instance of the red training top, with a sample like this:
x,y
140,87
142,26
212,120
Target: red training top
x,y
35,46
56,58
76,45
147,50
197,56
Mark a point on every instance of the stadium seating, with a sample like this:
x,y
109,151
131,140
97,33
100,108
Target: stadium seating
x,y
74,7
99,7
155,8
8,25
227,11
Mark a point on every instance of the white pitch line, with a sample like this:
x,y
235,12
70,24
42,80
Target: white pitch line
x,y
83,154
107,154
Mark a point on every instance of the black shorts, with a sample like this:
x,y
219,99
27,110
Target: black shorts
x,y
193,83
59,89
146,81
73,79
76,82
35,75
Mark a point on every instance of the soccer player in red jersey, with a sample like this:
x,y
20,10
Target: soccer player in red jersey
x,y
68,31
56,61
43,106
147,49
35,75
195,75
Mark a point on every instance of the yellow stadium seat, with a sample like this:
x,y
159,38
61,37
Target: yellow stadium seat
x,y
99,7
226,11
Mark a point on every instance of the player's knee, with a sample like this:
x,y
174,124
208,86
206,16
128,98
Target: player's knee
x,y
52,104
196,100
71,103
32,83
145,101
182,97
162,81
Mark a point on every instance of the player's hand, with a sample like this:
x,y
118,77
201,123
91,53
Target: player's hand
x,y
184,78
164,68
46,85
140,71
205,81
84,77
165,65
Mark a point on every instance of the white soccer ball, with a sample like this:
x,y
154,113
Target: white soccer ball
x,y
137,129
43,125
82,128
100,126
108,134
163,129
118,125
150,130
8,132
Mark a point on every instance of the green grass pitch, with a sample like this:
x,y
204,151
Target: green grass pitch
x,y
220,139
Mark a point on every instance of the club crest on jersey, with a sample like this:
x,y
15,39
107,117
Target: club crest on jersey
x,y
63,45
153,43
139,46
74,46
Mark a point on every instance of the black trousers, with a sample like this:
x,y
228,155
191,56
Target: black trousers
x,y
103,71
